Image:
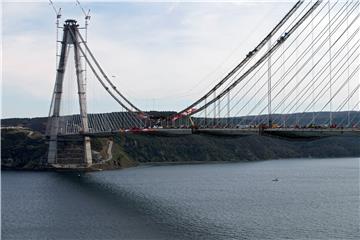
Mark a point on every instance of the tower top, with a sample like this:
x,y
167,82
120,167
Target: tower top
x,y
71,22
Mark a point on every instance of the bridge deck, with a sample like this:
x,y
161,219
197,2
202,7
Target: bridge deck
x,y
229,131
312,132
284,132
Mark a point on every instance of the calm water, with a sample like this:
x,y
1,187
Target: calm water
x,y
313,199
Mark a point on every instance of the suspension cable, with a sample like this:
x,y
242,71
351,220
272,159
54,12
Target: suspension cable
x,y
342,86
342,21
320,72
280,41
248,57
98,77
276,71
105,76
317,77
262,64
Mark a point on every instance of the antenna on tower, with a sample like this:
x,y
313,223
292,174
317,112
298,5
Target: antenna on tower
x,y
87,19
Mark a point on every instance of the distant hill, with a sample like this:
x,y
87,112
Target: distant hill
x,y
24,146
339,118
26,149
36,124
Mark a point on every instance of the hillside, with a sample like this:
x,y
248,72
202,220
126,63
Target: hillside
x,y
26,149
39,123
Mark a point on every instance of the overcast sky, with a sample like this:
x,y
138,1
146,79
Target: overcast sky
x,y
163,55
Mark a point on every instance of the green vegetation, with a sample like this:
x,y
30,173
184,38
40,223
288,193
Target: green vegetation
x,y
145,148
22,148
25,149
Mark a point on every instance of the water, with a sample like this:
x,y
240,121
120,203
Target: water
x,y
313,199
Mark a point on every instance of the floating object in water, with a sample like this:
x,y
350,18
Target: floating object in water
x,y
275,180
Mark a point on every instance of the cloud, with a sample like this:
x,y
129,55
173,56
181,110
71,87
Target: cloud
x,y
156,51
29,63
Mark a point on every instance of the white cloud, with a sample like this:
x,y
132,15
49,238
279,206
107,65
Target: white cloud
x,y
29,63
154,54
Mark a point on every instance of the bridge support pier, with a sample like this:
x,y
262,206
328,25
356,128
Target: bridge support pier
x,y
87,151
52,152
70,36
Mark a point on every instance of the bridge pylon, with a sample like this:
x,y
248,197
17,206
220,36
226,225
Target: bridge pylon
x,y
70,37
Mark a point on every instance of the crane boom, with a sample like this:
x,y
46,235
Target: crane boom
x,y
86,14
57,11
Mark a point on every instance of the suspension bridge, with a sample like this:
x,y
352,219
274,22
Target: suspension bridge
x,y
301,80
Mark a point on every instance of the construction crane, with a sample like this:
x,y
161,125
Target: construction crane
x,y
58,16
86,14
87,19
57,11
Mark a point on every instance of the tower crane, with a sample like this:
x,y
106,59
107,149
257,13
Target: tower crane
x,y
87,19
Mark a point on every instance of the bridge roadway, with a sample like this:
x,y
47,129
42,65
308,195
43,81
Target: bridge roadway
x,y
282,132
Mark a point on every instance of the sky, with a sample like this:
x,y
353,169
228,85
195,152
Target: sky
x,y
161,55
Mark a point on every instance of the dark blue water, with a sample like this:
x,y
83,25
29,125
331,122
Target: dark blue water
x,y
313,199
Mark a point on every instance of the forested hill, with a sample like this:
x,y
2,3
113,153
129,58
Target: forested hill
x,y
39,123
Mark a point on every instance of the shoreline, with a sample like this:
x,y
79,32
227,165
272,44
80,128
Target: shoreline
x,y
157,164
23,152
